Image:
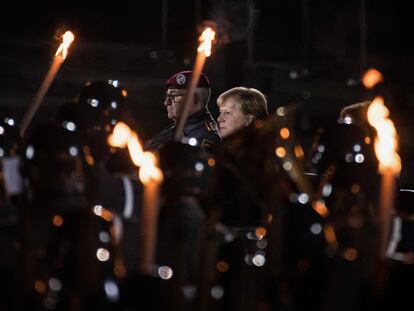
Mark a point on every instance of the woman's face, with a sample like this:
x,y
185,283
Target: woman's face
x,y
231,118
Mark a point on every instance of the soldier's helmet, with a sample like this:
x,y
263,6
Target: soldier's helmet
x,y
101,104
104,98
56,160
344,149
69,116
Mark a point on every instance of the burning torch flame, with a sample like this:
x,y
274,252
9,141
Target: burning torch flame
x,y
371,78
123,136
67,39
386,142
206,38
151,176
120,136
203,51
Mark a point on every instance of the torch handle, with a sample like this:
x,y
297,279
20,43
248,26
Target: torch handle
x,y
40,94
149,226
189,97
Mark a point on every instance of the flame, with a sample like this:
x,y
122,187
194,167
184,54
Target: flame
x,y
371,78
67,39
135,150
148,169
122,136
385,143
206,38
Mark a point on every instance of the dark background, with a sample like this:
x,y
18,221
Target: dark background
x,y
308,51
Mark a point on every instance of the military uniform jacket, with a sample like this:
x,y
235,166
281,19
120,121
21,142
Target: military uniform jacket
x,y
200,126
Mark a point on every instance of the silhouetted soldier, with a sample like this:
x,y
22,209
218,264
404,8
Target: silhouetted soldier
x,y
115,185
70,257
12,198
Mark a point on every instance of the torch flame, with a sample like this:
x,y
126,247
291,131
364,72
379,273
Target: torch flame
x,y
371,78
148,169
123,136
206,38
386,141
67,39
135,150
120,136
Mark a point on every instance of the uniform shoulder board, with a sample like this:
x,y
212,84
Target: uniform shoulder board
x,y
205,144
211,126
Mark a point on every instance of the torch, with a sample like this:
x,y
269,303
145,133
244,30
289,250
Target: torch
x,y
151,176
385,146
203,51
60,55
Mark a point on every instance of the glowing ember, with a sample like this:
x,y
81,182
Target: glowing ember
x,y
206,38
67,39
386,141
371,78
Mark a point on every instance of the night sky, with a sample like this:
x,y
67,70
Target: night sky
x,y
324,36
334,26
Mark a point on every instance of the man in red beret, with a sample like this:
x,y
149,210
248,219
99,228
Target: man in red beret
x,y
199,125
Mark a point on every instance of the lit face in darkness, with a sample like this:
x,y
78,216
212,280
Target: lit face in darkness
x,y
231,118
174,102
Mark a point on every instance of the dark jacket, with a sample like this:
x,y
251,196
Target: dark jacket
x,y
200,126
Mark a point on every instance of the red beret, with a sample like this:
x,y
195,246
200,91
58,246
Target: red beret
x,y
181,80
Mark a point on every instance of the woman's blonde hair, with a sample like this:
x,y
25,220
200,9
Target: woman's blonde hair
x,y
248,100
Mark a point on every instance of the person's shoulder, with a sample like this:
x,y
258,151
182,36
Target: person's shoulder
x,y
159,139
205,131
212,134
206,127
211,126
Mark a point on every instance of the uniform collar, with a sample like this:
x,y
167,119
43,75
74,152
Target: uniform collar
x,y
196,119
198,116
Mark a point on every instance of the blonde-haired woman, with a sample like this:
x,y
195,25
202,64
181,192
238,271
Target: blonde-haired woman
x,y
239,106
